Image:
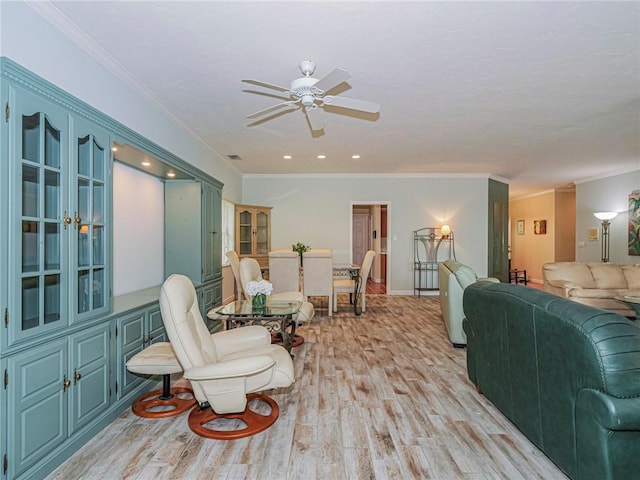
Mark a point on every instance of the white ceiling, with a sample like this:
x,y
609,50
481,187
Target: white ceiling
x,y
539,93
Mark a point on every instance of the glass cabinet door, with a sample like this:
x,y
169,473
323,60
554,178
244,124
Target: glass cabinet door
x,y
39,152
262,233
91,281
245,232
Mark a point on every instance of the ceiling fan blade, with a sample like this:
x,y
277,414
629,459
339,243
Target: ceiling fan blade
x,y
352,103
270,109
332,79
314,117
267,85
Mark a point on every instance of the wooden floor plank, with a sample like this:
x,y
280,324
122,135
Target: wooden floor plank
x,y
380,396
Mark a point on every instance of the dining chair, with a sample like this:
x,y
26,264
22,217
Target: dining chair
x,y
284,271
348,285
234,261
317,274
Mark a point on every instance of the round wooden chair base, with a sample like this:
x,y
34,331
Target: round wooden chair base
x,y
143,406
297,340
253,421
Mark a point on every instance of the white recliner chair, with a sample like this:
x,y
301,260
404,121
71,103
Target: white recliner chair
x,y
453,278
225,368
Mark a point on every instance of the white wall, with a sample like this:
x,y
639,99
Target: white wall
x,y
610,194
138,230
316,210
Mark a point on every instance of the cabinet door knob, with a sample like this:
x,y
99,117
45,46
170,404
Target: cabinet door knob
x,y
66,219
65,383
76,376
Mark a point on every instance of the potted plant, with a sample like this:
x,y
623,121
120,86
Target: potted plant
x,y
300,248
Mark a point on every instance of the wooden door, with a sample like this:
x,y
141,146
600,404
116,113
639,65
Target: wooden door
x,y
360,237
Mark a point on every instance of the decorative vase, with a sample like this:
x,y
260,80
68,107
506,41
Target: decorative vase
x,y
259,301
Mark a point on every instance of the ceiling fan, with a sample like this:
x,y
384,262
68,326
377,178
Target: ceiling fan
x,y
310,94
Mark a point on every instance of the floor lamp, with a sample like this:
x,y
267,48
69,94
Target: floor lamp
x,y
605,218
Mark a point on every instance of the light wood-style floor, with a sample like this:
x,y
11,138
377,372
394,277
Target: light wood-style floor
x,y
380,396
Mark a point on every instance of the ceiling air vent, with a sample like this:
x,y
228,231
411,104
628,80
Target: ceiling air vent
x,y
233,156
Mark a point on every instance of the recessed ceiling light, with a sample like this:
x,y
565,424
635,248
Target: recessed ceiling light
x,y
146,164
355,157
287,157
114,149
171,174
322,157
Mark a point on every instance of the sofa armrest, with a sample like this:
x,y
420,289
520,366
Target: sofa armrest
x,y
560,287
489,279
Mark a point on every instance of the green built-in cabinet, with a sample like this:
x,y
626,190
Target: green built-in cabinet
x,y
193,219
64,341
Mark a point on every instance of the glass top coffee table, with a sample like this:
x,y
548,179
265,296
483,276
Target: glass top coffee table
x,y
276,316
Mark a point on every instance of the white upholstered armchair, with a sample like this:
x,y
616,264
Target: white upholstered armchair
x,y
317,266
223,367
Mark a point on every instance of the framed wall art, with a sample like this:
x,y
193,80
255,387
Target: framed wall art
x,y
520,227
539,227
634,223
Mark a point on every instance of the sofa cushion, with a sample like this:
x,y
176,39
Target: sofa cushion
x,y
607,275
575,272
632,275
596,292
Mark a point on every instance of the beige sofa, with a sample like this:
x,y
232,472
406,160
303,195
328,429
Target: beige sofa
x,y
594,284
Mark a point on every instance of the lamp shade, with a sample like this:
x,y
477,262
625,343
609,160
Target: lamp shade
x,y
445,229
605,215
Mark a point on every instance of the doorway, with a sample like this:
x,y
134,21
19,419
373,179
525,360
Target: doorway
x,y
369,231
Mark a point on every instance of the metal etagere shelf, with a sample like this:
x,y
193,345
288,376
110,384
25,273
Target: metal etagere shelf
x,y
430,247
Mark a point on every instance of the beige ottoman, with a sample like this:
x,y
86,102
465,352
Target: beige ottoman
x,y
159,359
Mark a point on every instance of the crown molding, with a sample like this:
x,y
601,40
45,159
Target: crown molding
x,y
367,175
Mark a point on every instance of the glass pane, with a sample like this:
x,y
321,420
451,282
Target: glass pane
x,y
262,220
51,145
51,246
83,291
84,156
98,288
51,298
98,161
83,199
98,246
83,246
245,218
30,302
98,204
30,250
31,138
51,194
30,191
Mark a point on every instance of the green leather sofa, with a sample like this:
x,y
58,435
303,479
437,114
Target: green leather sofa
x,y
566,374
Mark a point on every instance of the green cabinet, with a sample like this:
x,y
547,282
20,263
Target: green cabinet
x,y
53,391
59,176
64,342
135,331
193,221
210,296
